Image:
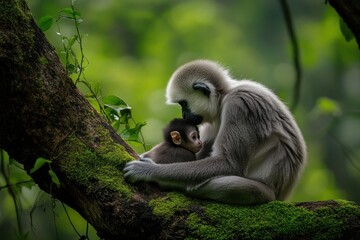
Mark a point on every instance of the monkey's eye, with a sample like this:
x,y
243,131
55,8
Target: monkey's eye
x,y
203,88
193,136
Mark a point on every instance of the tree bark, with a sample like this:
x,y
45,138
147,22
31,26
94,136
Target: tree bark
x,y
42,114
349,10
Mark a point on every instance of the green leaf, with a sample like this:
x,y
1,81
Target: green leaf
x,y
38,164
117,109
116,124
71,68
132,134
69,13
328,106
139,125
94,103
125,116
345,30
122,113
45,23
114,100
54,178
72,40
28,185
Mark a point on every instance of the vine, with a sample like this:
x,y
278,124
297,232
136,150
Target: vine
x,y
113,108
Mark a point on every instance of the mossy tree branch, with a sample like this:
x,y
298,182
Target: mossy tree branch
x,y
42,114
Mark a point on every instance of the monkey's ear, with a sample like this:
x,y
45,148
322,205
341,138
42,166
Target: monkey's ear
x,y
202,87
176,137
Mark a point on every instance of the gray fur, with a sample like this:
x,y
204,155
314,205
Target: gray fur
x,y
253,149
165,153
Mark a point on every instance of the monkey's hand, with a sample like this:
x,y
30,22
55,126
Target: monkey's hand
x,y
136,171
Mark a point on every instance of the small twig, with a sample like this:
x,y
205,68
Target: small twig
x,y
79,39
97,99
296,53
68,216
141,134
87,230
349,155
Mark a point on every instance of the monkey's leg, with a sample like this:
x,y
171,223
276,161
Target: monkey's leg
x,y
234,190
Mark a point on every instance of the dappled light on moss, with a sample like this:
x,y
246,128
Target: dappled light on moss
x,y
102,165
274,220
166,206
113,178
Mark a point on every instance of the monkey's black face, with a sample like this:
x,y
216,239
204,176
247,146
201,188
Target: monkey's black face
x,y
188,115
195,119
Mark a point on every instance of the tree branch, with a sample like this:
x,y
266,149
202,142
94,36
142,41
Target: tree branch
x,y
296,53
42,114
349,10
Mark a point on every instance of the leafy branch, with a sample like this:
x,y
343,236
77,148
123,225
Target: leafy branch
x,y
41,162
113,108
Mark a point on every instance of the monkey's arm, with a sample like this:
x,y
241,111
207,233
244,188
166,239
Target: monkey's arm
x,y
180,175
183,176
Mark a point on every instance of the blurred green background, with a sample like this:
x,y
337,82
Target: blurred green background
x,y
133,47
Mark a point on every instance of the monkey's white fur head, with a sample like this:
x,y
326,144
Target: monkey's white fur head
x,y
207,73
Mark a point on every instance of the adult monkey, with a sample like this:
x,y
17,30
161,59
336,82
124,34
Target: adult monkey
x,y
253,151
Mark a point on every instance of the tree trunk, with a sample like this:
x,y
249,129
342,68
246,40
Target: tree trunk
x,y
42,114
349,10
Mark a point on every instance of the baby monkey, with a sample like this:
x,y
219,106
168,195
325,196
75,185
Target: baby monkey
x,y
181,142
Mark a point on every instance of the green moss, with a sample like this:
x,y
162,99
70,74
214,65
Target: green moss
x,y
102,165
113,178
347,208
275,220
11,10
165,207
43,60
16,41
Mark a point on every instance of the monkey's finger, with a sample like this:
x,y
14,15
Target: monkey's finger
x,y
134,171
147,160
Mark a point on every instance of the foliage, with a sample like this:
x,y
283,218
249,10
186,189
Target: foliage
x,y
113,108
345,30
328,106
41,162
45,22
119,113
